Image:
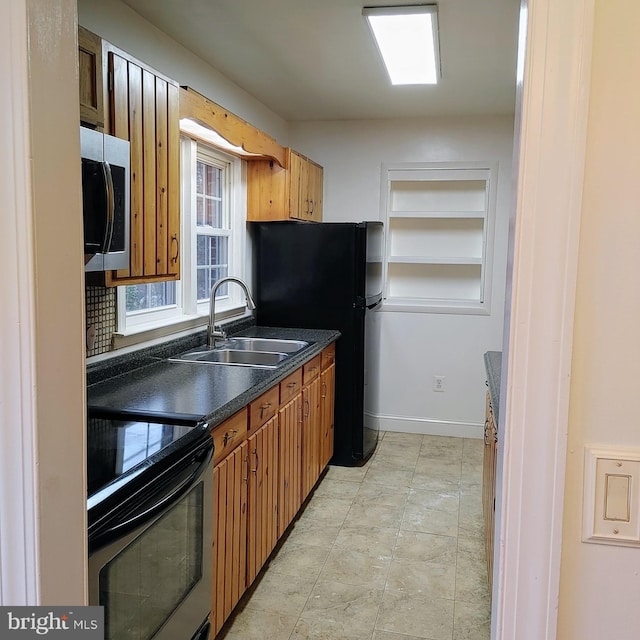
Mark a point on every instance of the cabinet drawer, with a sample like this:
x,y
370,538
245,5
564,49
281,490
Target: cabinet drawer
x,y
263,408
229,434
328,355
311,370
290,386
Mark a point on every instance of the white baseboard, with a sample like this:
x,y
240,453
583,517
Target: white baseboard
x,y
428,427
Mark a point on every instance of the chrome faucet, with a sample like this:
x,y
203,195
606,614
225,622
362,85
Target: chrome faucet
x,y
212,332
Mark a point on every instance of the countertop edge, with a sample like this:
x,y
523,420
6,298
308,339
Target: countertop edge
x,y
493,368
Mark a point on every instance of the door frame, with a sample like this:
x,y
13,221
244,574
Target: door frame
x,y
553,82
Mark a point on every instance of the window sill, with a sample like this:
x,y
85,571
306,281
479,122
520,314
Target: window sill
x,y
154,331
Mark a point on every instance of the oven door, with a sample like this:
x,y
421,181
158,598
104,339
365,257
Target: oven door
x,y
152,572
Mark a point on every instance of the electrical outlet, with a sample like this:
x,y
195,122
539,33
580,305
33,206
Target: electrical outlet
x,y
438,383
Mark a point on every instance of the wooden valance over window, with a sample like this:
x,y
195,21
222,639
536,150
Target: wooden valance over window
x,y
238,132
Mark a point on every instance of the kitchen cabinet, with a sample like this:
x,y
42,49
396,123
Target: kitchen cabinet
x,y
276,193
90,79
327,404
268,457
262,526
290,460
311,428
489,485
230,480
143,109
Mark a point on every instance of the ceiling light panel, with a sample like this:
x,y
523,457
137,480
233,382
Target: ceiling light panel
x,y
407,39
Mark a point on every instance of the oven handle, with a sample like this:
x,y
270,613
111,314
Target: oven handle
x,y
163,504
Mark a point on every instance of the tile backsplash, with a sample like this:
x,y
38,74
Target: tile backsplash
x,y
100,303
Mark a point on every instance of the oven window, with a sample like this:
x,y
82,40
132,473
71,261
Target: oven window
x,y
142,586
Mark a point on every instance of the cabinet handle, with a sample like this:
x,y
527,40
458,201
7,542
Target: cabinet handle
x,y
291,385
246,475
324,390
228,436
301,419
265,407
174,238
255,453
307,404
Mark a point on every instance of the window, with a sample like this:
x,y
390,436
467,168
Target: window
x,y
213,229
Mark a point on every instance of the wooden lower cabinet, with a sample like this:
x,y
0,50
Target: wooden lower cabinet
x,y
327,404
230,478
489,486
310,436
268,458
262,527
289,469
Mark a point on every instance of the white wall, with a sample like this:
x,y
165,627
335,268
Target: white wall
x,y
600,585
123,27
417,346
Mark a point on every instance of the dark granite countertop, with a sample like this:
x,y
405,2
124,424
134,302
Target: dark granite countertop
x,y
493,367
155,387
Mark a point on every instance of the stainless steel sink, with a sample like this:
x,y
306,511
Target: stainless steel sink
x,y
264,359
273,345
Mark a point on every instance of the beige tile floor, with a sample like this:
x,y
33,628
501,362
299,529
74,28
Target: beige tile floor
x,y
392,550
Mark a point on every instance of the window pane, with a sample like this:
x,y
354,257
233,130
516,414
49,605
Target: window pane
x,y
200,177
150,296
200,210
209,196
212,264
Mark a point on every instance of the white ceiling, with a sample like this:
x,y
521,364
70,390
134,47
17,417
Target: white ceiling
x,y
315,59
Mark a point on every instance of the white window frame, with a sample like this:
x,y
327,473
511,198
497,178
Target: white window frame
x,y
188,313
234,302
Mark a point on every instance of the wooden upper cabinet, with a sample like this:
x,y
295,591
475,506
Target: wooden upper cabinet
x,y
144,109
90,78
275,193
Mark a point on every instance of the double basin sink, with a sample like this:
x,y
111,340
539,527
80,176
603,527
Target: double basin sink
x,y
266,353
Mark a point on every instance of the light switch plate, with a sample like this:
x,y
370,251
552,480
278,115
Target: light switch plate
x,y
611,508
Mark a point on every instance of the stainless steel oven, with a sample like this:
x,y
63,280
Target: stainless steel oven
x,y
150,528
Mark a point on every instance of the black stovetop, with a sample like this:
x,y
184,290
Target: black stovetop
x,y
123,454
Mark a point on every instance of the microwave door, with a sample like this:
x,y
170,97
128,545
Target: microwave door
x,y
117,256
116,156
95,212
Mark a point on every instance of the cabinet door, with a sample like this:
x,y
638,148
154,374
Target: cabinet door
x,y
489,486
262,524
143,109
90,78
310,436
230,479
298,205
315,191
327,396
313,183
289,462
267,191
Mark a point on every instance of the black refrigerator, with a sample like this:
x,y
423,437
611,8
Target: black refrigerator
x,y
327,276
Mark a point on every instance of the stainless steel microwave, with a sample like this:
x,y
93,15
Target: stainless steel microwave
x,y
105,200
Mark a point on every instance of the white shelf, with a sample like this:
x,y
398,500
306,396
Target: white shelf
x,y
434,260
438,256
437,214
